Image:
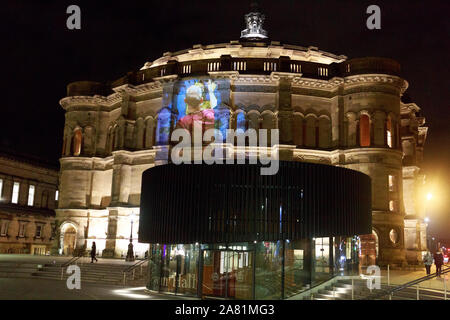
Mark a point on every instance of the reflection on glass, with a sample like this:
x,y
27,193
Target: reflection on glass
x,y
268,270
296,276
187,256
322,260
154,267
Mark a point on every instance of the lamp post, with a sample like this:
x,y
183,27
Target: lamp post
x,y
130,253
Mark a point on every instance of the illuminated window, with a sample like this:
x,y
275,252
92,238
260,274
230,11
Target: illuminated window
x,y
389,132
30,195
364,131
56,195
76,144
15,194
391,183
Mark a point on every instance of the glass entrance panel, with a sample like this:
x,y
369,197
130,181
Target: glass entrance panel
x,y
322,260
227,274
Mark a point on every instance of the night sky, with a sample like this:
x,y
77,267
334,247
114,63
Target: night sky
x,y
40,56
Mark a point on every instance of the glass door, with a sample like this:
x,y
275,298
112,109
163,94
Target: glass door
x,y
227,274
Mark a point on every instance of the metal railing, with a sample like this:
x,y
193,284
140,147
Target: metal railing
x,y
70,262
390,291
132,270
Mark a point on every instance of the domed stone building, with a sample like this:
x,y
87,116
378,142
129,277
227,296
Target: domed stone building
x,y
329,110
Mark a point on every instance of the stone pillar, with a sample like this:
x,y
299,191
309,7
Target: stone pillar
x,y
111,236
121,180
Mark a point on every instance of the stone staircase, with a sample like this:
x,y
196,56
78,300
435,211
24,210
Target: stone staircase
x,y
342,290
103,273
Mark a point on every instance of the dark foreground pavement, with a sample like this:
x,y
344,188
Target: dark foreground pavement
x,y
41,289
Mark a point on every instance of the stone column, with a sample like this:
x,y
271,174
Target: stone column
x,y
111,236
121,180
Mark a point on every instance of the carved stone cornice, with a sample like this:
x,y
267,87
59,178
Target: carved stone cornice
x,y
166,79
91,101
232,75
317,83
133,91
377,78
276,76
242,79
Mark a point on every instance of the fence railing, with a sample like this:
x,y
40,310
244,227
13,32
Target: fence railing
x,y
131,270
389,292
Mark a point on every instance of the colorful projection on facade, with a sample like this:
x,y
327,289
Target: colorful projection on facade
x,y
195,102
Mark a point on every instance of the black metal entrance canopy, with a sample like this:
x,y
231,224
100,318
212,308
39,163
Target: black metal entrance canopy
x,y
183,204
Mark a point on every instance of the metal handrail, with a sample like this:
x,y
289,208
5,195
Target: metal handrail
x,y
389,292
71,261
133,268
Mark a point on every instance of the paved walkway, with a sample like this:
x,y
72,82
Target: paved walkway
x,y
42,289
398,277
28,258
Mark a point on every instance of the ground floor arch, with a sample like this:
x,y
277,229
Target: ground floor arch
x,y
68,238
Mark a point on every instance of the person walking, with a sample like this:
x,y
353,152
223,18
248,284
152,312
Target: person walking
x,y
93,252
428,261
438,261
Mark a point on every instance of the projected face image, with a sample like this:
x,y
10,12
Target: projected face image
x,y
196,104
198,107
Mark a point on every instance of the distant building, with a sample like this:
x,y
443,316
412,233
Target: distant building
x,y
29,195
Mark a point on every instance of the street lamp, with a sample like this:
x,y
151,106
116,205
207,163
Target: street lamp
x,y
130,253
429,196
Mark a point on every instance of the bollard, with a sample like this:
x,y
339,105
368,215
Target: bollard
x,y
124,278
418,297
62,273
133,273
141,270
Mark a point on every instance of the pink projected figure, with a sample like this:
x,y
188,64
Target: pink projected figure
x,y
199,113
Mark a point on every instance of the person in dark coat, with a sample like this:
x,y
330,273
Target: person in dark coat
x,y
93,252
438,261
428,261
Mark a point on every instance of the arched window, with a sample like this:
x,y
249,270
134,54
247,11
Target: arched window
x,y
253,120
163,127
389,132
240,123
222,121
364,131
76,144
